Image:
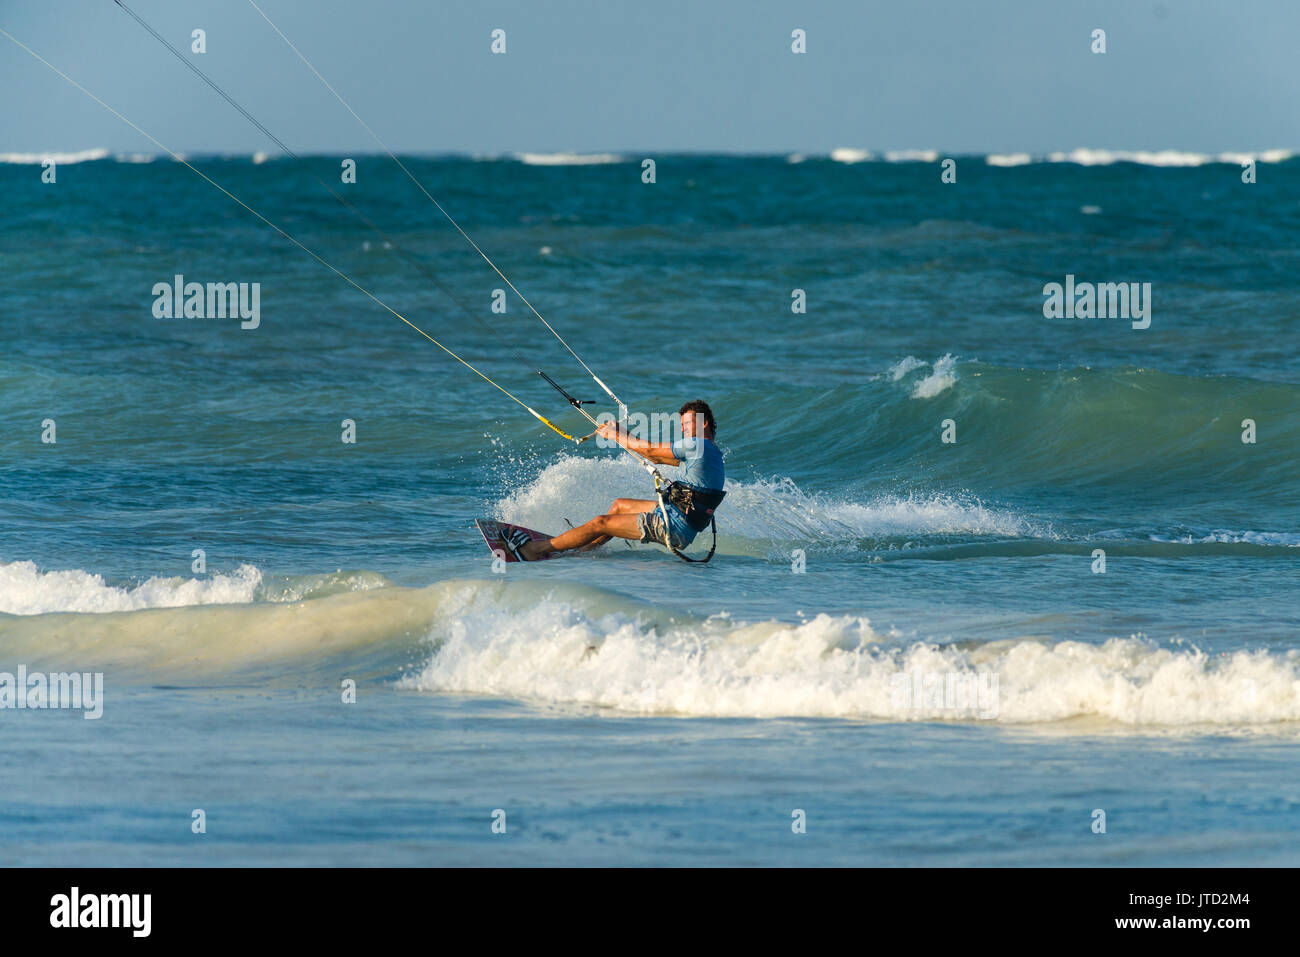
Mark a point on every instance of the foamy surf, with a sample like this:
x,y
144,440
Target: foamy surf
x,y
1221,536
565,643
760,517
26,590
840,667
778,513
942,375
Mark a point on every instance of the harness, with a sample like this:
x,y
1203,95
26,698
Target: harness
x,y
697,504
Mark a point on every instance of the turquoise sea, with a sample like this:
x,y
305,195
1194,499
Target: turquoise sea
x,y
905,644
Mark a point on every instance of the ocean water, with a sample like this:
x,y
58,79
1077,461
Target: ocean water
x,y
907,641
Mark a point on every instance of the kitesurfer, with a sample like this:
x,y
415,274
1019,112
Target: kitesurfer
x,y
688,503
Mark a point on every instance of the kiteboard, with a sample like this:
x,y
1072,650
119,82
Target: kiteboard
x,y
494,534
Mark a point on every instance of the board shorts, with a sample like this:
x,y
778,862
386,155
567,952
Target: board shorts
x,y
651,524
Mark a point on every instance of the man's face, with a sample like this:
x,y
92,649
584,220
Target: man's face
x,y
692,424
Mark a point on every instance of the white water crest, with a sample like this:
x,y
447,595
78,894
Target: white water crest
x,y
26,590
1008,159
847,155
911,156
568,159
61,159
557,652
942,375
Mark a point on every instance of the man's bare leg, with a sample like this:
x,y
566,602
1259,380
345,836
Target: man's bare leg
x,y
626,506
626,525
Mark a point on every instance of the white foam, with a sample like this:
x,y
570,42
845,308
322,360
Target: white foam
x,y
846,155
567,159
1267,156
905,365
1225,536
62,159
1091,157
911,156
932,515
757,515
1101,157
299,587
795,158
1008,159
779,511
25,590
943,376
259,158
839,666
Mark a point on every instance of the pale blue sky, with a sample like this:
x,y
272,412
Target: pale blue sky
x,y
959,76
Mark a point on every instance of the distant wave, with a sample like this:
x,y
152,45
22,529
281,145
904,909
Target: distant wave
x,y
846,155
568,159
1082,425
63,159
1094,157
911,156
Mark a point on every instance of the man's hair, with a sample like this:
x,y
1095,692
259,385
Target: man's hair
x,y
702,407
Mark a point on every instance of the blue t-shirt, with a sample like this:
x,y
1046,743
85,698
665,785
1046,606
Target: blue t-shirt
x,y
701,463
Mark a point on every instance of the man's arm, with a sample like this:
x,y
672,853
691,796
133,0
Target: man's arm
x,y
660,454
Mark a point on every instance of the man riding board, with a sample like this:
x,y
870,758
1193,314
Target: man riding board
x,y
689,501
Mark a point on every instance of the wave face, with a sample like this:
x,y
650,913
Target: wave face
x,y
839,666
579,645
